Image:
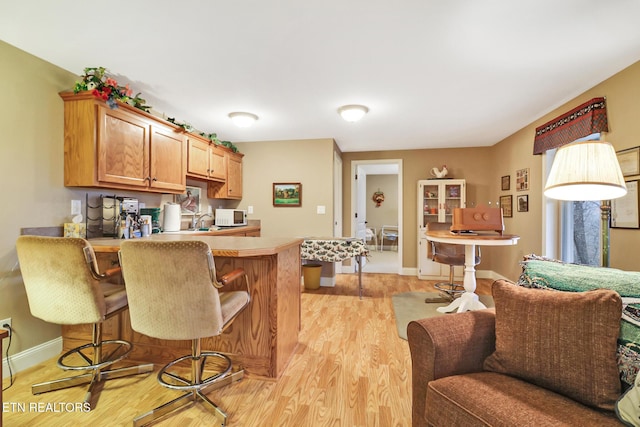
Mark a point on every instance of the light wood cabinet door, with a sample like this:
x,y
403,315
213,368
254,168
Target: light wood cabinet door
x,y
123,148
198,153
234,177
167,159
217,164
232,187
205,160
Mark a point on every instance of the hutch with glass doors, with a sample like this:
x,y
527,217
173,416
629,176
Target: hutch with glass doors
x,y
436,200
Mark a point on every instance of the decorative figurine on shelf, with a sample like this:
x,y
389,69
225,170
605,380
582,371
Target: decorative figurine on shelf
x,y
378,197
439,173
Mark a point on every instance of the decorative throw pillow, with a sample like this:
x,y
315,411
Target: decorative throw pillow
x,y
563,341
628,405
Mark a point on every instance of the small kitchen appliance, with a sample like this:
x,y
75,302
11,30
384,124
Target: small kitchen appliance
x,y
230,217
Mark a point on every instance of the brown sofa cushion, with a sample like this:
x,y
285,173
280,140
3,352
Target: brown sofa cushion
x,y
563,341
489,399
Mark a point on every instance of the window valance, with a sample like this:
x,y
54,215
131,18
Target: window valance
x,y
588,118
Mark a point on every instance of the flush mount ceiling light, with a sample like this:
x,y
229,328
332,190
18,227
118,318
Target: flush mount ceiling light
x,y
243,120
353,113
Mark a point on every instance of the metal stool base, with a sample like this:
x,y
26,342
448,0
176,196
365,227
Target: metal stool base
x,y
96,374
451,290
194,387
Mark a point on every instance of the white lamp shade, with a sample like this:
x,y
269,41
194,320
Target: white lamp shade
x,y
586,170
243,120
353,113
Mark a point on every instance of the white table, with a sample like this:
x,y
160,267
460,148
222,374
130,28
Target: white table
x,y
469,299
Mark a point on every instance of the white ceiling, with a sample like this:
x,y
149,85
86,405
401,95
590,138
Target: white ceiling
x,y
454,73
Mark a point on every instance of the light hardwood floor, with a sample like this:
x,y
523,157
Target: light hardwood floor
x,y
350,369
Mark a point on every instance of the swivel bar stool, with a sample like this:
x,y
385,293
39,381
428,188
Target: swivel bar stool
x,y
64,286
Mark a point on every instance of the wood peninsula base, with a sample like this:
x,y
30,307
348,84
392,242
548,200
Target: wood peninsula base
x,y
264,336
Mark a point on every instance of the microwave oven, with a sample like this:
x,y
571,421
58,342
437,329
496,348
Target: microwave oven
x,y
230,217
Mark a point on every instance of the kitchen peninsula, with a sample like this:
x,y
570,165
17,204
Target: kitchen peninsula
x,y
261,340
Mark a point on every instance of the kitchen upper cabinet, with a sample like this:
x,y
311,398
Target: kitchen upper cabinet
x,y
167,159
123,148
205,160
231,188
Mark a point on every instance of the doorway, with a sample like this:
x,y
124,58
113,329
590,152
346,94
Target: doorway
x,y
385,257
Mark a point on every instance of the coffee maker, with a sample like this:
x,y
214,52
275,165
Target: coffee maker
x,y
115,210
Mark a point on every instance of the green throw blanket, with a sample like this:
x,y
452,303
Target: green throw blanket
x,y
544,273
579,278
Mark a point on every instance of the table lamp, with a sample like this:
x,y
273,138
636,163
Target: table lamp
x,y
588,170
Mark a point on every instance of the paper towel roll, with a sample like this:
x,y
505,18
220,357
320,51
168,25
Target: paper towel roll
x,y
172,217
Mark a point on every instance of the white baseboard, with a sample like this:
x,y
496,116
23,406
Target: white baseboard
x,y
413,271
32,356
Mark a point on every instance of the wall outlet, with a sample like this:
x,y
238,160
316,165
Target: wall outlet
x,y
6,322
76,207
249,209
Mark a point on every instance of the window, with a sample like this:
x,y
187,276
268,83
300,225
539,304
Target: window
x,y
580,232
577,225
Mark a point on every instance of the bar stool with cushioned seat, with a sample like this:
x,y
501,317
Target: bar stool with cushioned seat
x,y
63,286
451,254
174,295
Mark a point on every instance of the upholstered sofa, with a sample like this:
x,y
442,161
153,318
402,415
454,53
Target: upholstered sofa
x,y
540,358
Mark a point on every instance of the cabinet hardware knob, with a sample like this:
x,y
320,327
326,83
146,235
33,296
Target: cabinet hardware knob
x,y
148,178
154,179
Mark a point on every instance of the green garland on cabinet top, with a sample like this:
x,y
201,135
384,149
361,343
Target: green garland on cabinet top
x,y
97,81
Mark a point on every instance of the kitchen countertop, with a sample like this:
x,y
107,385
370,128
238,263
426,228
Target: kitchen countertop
x,y
228,246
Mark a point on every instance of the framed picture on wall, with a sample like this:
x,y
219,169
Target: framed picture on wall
x,y
506,203
624,210
522,179
506,182
523,203
287,194
189,201
629,161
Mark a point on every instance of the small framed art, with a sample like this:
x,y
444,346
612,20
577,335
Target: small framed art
x,y
624,210
287,194
629,161
522,179
506,182
506,203
523,203
189,201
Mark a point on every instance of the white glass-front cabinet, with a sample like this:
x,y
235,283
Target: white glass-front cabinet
x,y
436,200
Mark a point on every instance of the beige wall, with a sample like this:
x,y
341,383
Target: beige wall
x,y
484,167
31,151
472,164
309,162
31,168
387,212
515,152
